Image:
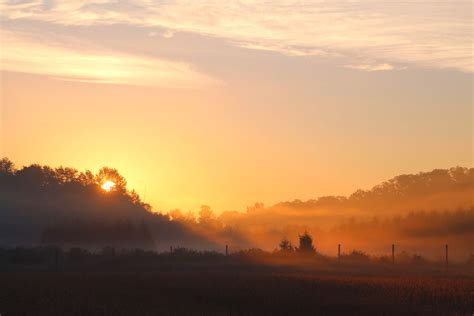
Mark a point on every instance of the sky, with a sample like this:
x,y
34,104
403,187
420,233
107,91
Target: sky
x,y
228,103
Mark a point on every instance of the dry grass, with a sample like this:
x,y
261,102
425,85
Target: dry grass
x,y
230,293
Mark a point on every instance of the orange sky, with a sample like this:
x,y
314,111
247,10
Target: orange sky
x,y
229,104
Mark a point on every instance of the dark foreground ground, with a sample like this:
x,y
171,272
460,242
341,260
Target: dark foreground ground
x,y
230,293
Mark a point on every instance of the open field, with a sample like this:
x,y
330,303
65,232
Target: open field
x,y
255,292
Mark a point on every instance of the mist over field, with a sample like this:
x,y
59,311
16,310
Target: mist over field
x,y
419,213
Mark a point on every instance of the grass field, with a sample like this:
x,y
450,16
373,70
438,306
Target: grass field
x,y
230,293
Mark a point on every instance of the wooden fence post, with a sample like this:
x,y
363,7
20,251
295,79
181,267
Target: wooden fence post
x,y
339,250
447,258
393,253
226,250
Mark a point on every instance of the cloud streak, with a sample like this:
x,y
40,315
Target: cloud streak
x,y
372,67
92,65
418,33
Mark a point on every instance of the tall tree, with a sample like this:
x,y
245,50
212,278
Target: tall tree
x,y
111,174
285,245
306,243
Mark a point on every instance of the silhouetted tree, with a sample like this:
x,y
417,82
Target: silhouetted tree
x,y
7,166
87,178
205,214
111,174
306,243
286,246
66,175
176,214
63,206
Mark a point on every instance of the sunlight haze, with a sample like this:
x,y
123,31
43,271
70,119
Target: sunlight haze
x,y
228,103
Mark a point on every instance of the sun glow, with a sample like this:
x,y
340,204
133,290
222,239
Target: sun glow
x,y
108,186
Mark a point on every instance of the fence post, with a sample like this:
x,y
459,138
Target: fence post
x,y
447,258
171,249
339,250
393,253
226,250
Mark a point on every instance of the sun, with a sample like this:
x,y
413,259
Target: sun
x,y
107,186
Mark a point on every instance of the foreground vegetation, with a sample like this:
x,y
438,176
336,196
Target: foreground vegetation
x,y
290,281
218,292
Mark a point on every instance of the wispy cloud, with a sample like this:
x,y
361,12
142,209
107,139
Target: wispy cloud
x,y
23,54
432,34
372,67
